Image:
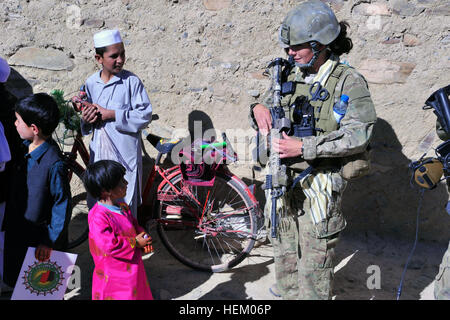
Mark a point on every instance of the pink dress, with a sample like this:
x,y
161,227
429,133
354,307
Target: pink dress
x,y
119,272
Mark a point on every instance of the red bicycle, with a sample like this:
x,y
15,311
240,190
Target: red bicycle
x,y
206,217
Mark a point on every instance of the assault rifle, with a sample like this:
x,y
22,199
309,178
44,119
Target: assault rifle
x,y
276,180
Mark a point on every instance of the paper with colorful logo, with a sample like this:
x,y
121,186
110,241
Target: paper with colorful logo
x,y
44,280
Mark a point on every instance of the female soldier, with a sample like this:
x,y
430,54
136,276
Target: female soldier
x,y
309,218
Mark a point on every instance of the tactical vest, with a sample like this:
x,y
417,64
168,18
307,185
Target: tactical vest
x,y
323,114
323,110
350,167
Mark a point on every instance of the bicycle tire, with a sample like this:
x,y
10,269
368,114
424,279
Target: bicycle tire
x,y
78,228
231,236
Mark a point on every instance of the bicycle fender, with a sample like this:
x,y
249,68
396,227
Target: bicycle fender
x,y
171,175
246,188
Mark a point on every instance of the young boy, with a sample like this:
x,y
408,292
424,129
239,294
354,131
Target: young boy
x,y
121,107
116,241
38,206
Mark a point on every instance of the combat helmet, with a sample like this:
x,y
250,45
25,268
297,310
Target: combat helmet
x,y
311,21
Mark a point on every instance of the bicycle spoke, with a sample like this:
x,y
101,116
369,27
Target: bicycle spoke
x,y
209,251
218,241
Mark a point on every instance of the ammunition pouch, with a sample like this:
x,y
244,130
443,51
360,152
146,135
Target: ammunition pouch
x,y
288,88
302,126
303,116
355,166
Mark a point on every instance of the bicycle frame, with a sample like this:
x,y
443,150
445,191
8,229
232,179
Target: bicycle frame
x,y
168,174
166,190
209,223
78,148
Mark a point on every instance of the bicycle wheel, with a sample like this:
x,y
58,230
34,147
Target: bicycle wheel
x,y
207,228
78,225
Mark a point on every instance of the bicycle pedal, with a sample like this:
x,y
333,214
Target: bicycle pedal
x,y
145,256
173,216
199,237
175,210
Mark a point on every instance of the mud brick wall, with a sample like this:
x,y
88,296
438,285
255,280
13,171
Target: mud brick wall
x,y
204,59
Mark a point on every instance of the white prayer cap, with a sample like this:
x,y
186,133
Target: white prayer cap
x,y
106,38
4,70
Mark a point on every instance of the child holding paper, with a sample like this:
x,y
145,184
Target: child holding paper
x,y
116,241
38,204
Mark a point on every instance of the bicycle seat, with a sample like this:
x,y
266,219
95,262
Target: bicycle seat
x,y
161,144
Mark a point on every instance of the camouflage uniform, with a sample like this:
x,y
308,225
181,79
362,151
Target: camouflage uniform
x,y
442,280
303,251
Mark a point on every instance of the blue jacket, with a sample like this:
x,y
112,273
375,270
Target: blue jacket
x,y
39,201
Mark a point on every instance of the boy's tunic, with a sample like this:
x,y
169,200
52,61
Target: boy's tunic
x,y
125,94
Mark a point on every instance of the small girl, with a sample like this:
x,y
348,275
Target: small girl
x,y
115,238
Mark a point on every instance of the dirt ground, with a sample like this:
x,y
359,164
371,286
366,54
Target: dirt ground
x,y
171,280
359,256
207,57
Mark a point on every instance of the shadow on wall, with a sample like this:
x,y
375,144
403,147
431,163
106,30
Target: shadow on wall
x,y
15,88
198,123
199,126
386,203
18,85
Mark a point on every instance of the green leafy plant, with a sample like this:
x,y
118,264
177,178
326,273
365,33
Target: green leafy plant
x,y
68,116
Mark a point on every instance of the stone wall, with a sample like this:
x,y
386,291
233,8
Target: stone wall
x,y
205,58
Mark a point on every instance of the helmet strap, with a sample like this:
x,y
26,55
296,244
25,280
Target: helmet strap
x,y
316,51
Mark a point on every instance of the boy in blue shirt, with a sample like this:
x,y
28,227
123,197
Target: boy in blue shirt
x,y
38,206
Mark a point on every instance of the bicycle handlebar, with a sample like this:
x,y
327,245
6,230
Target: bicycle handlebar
x,y
214,145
